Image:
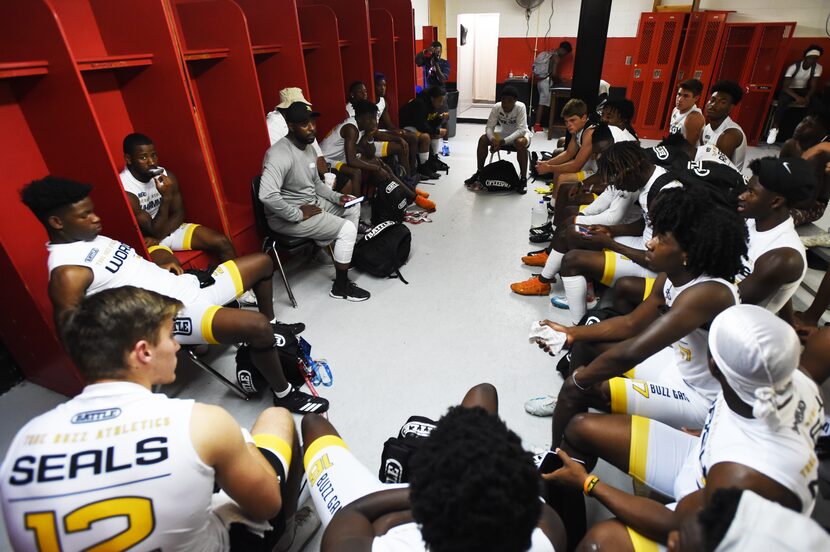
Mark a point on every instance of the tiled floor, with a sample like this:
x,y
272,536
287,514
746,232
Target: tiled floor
x,y
411,349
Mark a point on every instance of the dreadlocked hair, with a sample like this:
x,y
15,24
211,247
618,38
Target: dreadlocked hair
x,y
473,486
713,235
622,165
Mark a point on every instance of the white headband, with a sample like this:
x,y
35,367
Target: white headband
x,y
812,53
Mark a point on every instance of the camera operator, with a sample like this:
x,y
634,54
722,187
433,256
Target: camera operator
x,y
436,70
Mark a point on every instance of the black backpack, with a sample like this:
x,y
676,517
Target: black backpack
x,y
288,349
499,176
384,250
394,460
389,203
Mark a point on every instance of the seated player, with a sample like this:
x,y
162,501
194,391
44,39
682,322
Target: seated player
x,y
118,450
720,129
506,127
386,125
448,505
615,205
686,118
424,115
83,262
577,157
776,259
153,193
799,87
811,140
759,435
737,519
350,147
619,112
698,245
620,250
297,203
386,143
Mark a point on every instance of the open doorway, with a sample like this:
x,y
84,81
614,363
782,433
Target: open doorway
x,y
478,50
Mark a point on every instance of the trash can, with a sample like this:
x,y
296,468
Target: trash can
x,y
452,104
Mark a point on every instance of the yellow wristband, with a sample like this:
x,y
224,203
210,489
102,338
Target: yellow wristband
x,y
590,482
157,247
581,176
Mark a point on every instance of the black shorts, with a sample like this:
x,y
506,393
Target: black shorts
x,y
241,539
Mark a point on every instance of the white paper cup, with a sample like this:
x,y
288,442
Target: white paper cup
x,y
329,179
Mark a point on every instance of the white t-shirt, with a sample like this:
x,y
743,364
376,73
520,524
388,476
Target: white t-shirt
x,y
278,128
511,125
115,457
149,198
678,120
711,136
780,237
115,264
800,75
407,538
786,455
334,146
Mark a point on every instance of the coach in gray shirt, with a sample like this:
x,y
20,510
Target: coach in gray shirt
x,y
297,203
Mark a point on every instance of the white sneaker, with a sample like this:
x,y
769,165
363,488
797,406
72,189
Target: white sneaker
x,y
298,530
247,299
773,134
541,406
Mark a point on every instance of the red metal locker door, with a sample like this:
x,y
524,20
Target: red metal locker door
x,y
654,104
691,44
642,57
765,65
711,38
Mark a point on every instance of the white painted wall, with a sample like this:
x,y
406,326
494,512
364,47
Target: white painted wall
x,y
421,8
625,15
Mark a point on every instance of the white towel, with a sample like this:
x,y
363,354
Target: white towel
x,y
553,339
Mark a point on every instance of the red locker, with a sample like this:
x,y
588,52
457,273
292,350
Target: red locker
x,y
753,55
652,76
700,48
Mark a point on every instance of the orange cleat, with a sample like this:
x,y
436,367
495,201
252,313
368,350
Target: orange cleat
x,y
537,259
427,204
421,193
533,286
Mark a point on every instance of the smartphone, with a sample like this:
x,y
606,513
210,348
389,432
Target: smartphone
x,y
550,463
582,229
158,171
355,201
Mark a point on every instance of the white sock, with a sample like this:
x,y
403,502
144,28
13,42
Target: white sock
x,y
575,289
553,264
434,145
282,394
423,157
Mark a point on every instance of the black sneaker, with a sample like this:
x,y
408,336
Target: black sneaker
x,y
295,328
437,164
349,292
300,402
546,228
541,238
427,173
522,189
472,180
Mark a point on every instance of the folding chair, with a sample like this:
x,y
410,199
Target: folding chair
x,y
278,243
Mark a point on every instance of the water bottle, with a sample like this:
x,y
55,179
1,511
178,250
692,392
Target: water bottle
x,y
445,151
539,214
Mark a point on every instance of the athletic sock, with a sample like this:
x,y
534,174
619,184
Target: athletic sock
x,y
553,264
434,145
423,157
575,289
341,277
283,394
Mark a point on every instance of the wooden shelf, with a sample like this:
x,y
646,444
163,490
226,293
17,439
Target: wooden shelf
x,y
207,53
103,63
266,49
344,43
23,69
311,45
